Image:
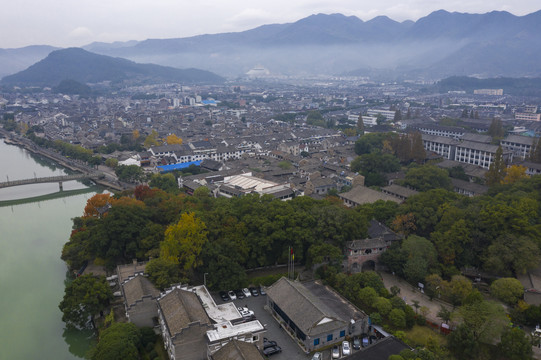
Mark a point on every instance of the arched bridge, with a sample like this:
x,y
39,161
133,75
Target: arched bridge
x,y
51,179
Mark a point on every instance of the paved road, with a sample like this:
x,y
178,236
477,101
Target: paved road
x,y
410,293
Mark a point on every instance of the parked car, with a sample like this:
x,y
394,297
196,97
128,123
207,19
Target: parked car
x,y
232,295
245,312
224,296
246,292
262,291
240,294
268,343
272,350
356,343
317,356
335,352
346,349
253,291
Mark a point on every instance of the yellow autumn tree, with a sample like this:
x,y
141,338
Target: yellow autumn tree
x,y
135,134
152,139
173,139
184,241
514,173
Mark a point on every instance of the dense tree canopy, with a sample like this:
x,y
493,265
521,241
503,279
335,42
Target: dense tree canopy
x,y
84,297
119,341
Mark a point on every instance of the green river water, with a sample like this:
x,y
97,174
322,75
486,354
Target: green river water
x,y
32,275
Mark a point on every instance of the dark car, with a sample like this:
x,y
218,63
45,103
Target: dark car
x,y
224,296
240,294
262,291
356,343
272,350
268,343
254,291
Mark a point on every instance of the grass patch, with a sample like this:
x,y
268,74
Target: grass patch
x,y
420,336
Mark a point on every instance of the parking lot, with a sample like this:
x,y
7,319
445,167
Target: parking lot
x,y
290,349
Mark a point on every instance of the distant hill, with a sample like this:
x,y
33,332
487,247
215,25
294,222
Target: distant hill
x,y
15,60
439,45
435,46
86,67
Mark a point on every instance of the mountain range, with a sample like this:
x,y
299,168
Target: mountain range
x,y
86,67
438,45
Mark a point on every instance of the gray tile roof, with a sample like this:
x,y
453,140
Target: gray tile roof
x,y
477,189
366,244
519,139
364,195
399,190
238,350
181,308
136,288
377,229
125,271
486,139
303,307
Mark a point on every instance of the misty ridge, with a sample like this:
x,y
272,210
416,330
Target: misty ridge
x,y
435,46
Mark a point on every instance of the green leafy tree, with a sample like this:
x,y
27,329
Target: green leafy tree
x,y
370,143
319,253
166,182
119,341
444,314
496,129
84,297
485,319
515,345
111,162
163,273
418,152
131,173
510,254
315,118
462,343
383,306
397,318
496,171
535,152
458,289
415,269
508,290
360,125
427,177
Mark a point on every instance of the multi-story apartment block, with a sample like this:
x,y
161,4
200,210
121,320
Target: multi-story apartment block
x,y
528,116
519,145
480,154
469,152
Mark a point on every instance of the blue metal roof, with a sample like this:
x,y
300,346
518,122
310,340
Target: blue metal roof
x,y
173,167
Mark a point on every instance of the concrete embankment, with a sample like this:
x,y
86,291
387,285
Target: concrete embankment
x,y
109,180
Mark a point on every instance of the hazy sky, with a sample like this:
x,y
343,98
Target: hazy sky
x,y
79,22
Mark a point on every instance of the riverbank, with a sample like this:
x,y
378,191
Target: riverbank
x,y
109,180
